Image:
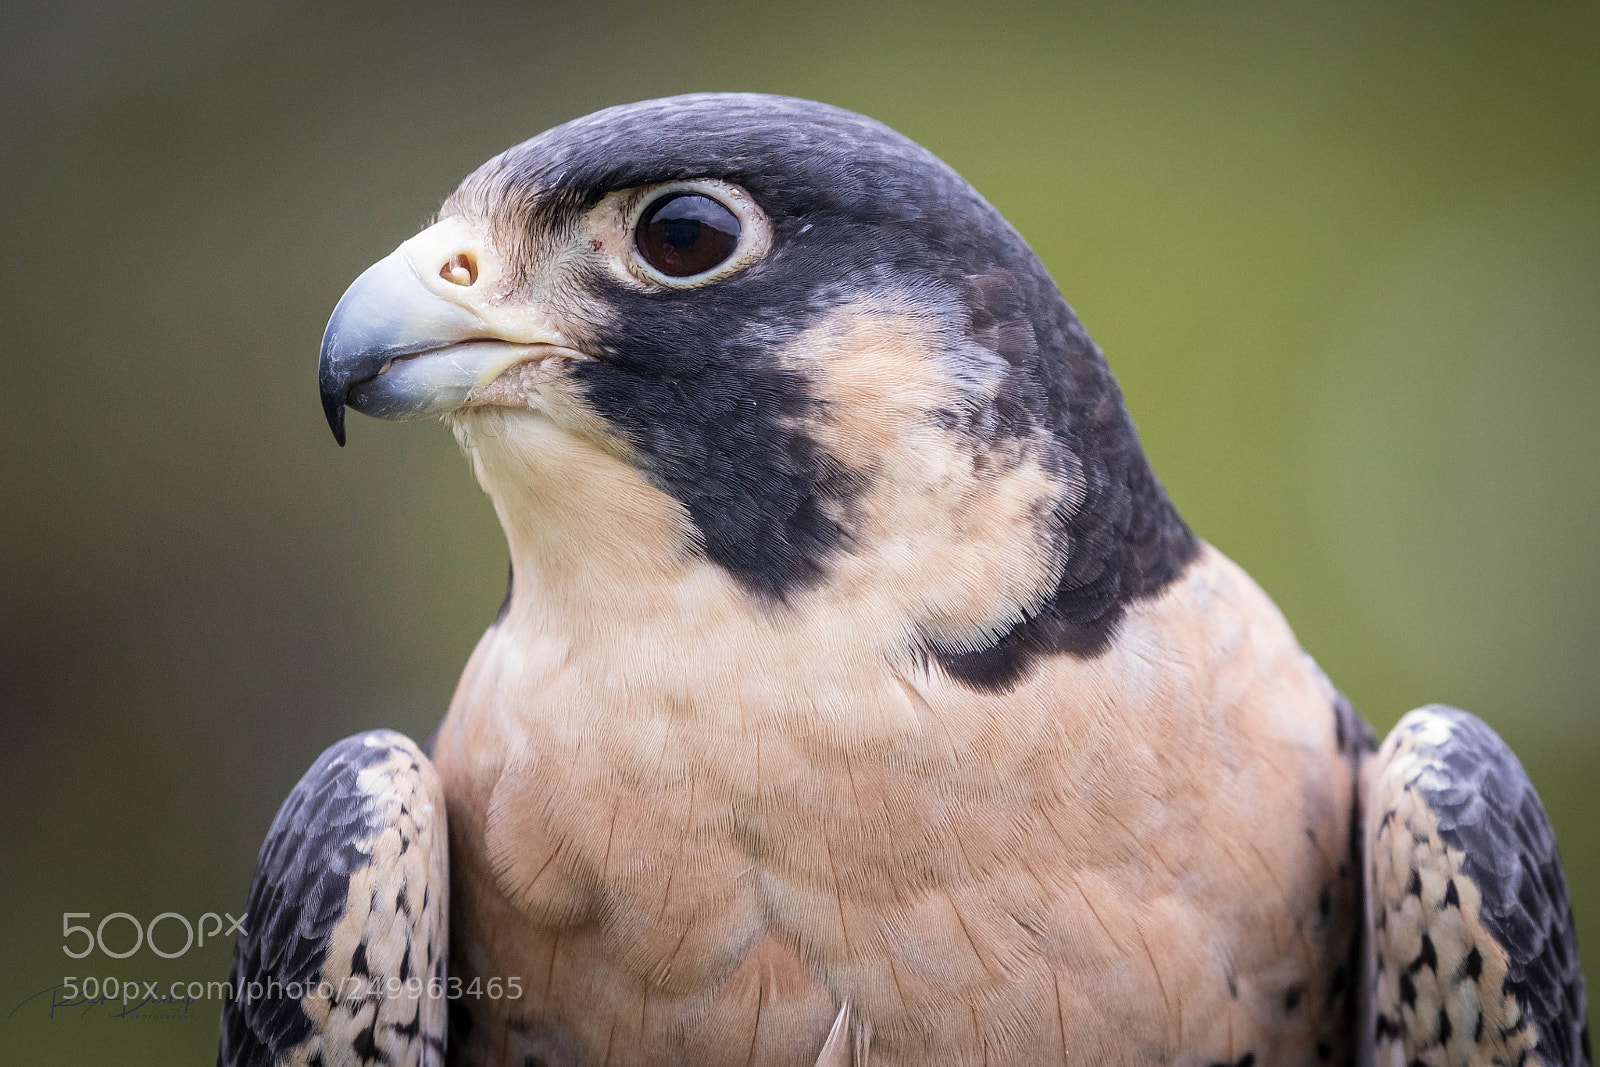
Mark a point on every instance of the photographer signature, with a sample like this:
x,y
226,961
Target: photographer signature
x,y
149,1006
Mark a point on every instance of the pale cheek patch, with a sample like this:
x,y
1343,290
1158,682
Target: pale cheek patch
x,y
952,530
583,524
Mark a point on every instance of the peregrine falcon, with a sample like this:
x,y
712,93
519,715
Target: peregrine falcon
x,y
860,696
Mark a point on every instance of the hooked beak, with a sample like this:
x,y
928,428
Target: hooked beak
x,y
419,331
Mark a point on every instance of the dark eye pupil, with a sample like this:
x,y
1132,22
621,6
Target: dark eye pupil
x,y
681,233
686,234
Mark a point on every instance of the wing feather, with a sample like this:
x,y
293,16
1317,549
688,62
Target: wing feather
x,y
345,955
1474,953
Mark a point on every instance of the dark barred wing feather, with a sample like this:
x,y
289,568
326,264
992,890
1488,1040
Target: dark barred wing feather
x,y
344,961
1473,956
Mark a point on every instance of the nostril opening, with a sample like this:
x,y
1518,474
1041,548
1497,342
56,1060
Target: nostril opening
x,y
462,269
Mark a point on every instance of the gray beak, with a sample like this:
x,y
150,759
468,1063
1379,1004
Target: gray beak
x,y
386,314
424,327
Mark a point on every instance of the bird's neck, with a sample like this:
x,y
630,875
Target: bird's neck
x,y
592,543
603,557
605,566
608,586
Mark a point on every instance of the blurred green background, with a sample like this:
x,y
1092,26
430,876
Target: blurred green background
x,y
1345,260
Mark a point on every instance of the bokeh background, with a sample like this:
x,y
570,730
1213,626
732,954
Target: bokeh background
x,y
1345,260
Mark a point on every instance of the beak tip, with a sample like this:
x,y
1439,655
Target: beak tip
x,y
334,410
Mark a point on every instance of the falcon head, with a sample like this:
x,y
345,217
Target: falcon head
x,y
730,354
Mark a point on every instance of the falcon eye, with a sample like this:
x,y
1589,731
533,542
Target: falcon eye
x,y
683,234
686,234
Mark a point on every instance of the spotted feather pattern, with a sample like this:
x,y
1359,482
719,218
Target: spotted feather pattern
x,y
345,959
1474,957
